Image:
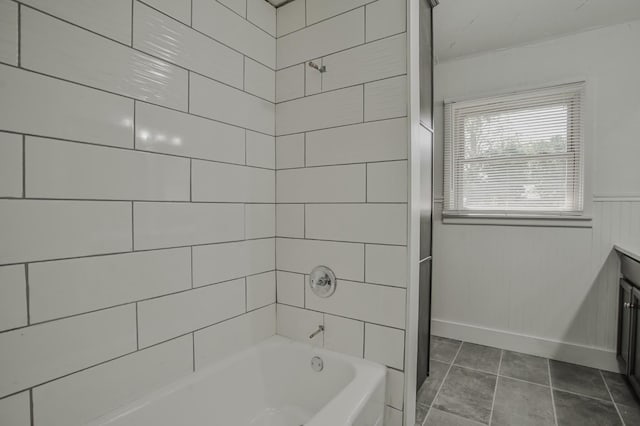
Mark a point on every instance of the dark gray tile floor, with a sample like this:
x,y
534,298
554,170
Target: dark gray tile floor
x,y
472,385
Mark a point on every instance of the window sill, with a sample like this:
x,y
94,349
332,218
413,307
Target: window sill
x,y
558,221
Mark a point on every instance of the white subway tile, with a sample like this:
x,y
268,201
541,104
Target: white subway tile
x,y
35,104
385,18
15,410
60,169
170,316
43,352
386,265
378,141
392,417
290,151
68,287
298,324
38,230
158,225
387,182
222,24
384,345
221,340
258,79
209,98
260,220
367,223
13,297
365,302
263,15
261,290
10,165
371,61
320,111
322,184
163,37
313,78
163,130
395,389
92,60
385,99
178,9
290,288
344,335
261,150
318,10
109,18
335,34
345,259
290,83
221,262
230,183
290,17
103,388
238,6
290,220
9,32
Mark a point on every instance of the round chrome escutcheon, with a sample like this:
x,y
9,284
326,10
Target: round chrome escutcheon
x,y
322,281
317,364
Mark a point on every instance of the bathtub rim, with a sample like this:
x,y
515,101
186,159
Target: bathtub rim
x,y
341,410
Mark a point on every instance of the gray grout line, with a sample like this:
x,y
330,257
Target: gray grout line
x,y
193,349
24,166
19,35
495,388
394,160
31,419
444,379
137,329
553,401
611,396
27,295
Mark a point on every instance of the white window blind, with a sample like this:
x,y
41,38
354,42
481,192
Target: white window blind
x,y
519,154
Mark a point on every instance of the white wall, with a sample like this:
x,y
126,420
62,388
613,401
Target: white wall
x,y
341,147
137,186
550,291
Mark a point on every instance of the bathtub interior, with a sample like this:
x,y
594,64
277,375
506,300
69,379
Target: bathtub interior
x,y
272,384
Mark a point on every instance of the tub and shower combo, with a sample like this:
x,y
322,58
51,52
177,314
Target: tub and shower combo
x,y
278,382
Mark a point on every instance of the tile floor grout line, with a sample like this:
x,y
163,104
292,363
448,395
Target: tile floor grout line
x,y
442,384
606,385
553,401
495,388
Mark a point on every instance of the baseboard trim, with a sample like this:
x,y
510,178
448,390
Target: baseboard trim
x,y
569,352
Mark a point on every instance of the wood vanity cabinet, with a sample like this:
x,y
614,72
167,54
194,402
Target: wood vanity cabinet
x,y
628,349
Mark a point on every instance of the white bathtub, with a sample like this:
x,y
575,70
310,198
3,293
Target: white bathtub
x,y
270,384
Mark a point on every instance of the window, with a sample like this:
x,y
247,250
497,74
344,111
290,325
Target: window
x,y
515,155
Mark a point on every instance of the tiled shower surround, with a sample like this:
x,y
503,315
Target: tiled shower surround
x,y
140,202
341,179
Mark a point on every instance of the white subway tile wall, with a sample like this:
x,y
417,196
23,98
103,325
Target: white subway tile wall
x,y
137,197
139,208
341,178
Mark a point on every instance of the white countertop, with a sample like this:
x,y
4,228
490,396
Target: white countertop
x,y
633,255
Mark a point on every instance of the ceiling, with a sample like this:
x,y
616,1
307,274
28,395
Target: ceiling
x,y
465,27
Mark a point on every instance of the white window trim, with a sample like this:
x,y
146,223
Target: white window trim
x,y
581,219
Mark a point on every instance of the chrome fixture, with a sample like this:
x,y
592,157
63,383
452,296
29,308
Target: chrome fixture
x,y
322,281
317,364
320,68
315,333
